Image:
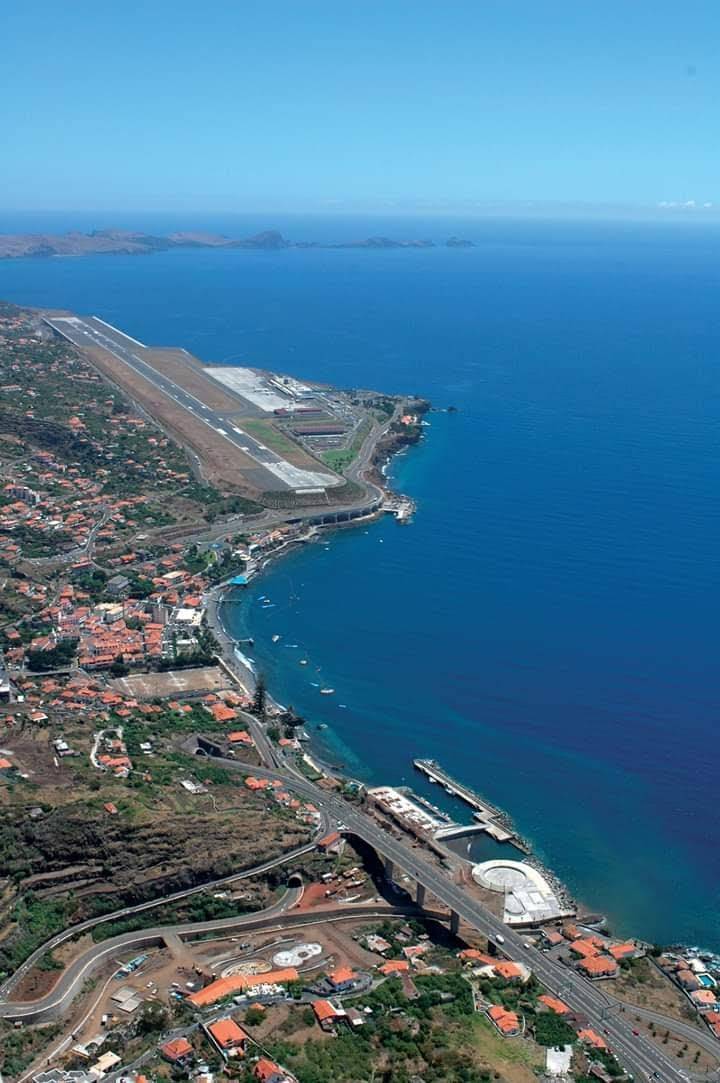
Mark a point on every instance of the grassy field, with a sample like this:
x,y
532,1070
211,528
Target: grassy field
x,y
271,437
339,459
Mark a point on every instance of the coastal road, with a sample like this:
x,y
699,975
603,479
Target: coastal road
x,y
639,1054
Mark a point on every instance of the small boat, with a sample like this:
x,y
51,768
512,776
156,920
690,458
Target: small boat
x,y
314,684
303,661
322,725
275,638
327,691
268,605
343,705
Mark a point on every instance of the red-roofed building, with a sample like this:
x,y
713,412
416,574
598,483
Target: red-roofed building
x,y
330,843
343,978
586,948
623,951
230,1039
267,1071
327,1014
553,1004
591,1037
598,966
394,966
507,1022
177,1051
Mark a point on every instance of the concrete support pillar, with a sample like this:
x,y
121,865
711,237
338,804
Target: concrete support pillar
x,y
420,895
389,869
454,923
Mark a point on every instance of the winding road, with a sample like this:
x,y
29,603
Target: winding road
x,y
640,1055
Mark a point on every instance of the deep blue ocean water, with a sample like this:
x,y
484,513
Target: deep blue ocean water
x,y
547,627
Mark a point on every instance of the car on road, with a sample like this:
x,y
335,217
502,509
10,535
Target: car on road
x,y
500,938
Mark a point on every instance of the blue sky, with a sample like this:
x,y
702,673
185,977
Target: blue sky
x,y
357,104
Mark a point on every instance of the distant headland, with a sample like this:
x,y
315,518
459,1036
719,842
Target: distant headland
x,y
128,242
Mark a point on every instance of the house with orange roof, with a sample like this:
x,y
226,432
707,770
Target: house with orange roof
x,y
597,967
627,950
474,956
267,1071
703,998
586,948
229,1039
240,737
221,713
507,1022
553,1004
327,1014
505,968
255,784
342,979
177,1051
591,1037
394,966
331,843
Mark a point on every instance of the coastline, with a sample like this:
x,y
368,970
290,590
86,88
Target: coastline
x,y
217,599
246,671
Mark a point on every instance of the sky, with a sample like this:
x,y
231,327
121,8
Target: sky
x,y
351,105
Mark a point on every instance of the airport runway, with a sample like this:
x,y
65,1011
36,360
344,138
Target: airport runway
x,y
92,331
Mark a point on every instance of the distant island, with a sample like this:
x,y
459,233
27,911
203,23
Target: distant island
x,y
128,242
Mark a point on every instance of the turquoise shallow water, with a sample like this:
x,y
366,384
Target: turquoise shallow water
x,y
547,627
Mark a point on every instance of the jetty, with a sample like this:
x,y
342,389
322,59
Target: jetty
x,y
493,821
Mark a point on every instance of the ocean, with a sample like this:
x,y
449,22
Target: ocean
x,y
547,626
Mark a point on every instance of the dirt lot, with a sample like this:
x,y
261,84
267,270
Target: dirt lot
x,y
31,752
645,986
173,683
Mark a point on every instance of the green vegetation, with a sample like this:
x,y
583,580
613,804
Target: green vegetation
x,y
271,437
36,920
339,459
58,657
436,1036
198,907
552,1030
19,1047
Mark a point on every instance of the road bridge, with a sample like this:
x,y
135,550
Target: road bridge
x,y
641,1056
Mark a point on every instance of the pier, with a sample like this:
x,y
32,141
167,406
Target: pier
x,y
489,819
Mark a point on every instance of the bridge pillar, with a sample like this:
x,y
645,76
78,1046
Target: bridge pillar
x,y
454,922
389,869
420,895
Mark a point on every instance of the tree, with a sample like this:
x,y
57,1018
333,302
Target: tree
x,y
551,1030
254,1015
118,668
260,698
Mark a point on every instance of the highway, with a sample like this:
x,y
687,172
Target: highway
x,y
280,474
7,1008
640,1055
58,1001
